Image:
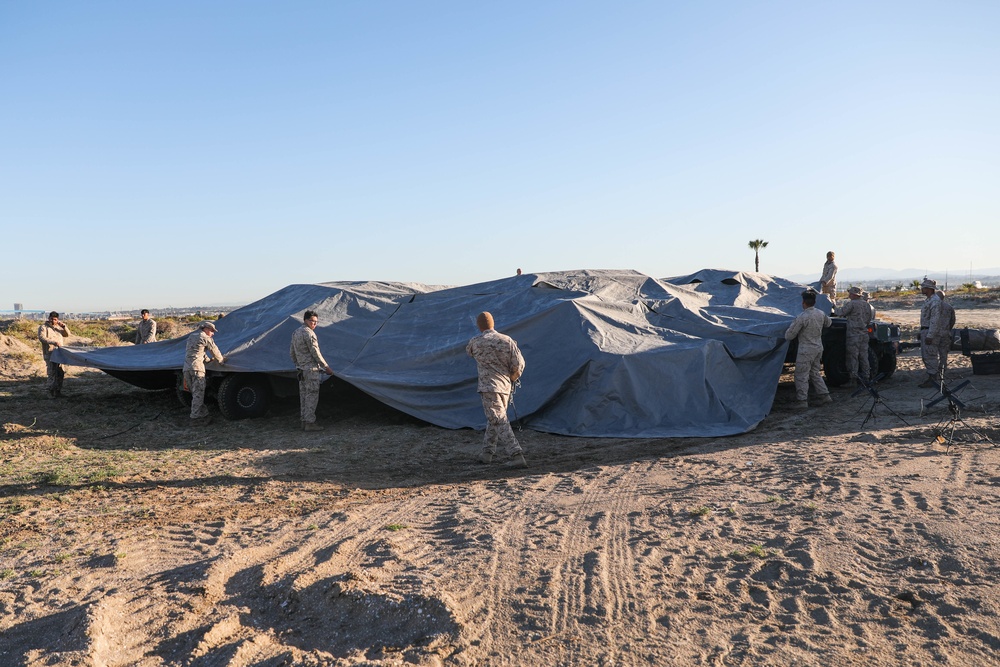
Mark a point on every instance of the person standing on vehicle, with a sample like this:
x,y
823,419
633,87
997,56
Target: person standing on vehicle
x,y
858,314
499,364
146,331
828,281
808,329
194,369
309,362
53,334
935,335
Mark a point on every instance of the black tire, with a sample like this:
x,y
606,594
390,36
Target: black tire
x,y
244,396
183,395
887,361
873,358
835,353
835,365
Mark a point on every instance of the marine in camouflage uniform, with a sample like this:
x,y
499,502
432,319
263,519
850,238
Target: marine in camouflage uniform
x,y
828,281
858,314
500,364
194,366
867,299
146,331
309,362
52,335
808,329
935,335
948,313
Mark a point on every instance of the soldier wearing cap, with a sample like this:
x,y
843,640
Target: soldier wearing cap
x,y
500,364
867,299
309,362
808,329
52,335
146,331
194,369
935,335
828,281
947,311
858,314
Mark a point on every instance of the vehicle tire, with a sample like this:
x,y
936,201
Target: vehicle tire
x,y
835,365
183,395
887,361
873,357
244,396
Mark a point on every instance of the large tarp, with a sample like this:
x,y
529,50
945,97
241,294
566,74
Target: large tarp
x,y
608,353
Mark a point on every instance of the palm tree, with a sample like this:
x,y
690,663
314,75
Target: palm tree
x,y
756,245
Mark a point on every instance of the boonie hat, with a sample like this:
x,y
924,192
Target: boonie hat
x,y
207,325
856,291
928,283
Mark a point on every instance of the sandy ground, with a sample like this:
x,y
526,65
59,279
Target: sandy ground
x,y
817,539
985,318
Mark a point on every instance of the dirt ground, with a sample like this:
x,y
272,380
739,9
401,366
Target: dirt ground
x,y
864,532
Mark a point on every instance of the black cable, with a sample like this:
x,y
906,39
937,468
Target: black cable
x,y
131,427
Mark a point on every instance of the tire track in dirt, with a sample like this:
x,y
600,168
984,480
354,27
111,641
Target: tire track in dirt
x,y
268,598
599,566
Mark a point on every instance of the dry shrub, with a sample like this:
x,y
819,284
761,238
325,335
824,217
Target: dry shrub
x,y
166,329
123,331
98,333
25,331
18,359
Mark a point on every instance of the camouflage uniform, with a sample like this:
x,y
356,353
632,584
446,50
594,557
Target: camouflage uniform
x,y
866,296
51,337
145,332
310,363
194,369
858,314
948,313
808,328
497,359
935,337
828,281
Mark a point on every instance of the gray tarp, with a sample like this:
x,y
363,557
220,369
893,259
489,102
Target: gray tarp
x,y
609,353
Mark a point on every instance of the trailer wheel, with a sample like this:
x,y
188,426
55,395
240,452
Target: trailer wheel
x,y
244,396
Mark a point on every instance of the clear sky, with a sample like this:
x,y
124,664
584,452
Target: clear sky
x,y
159,154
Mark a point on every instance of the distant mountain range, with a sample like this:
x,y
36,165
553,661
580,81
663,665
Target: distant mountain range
x,y
905,276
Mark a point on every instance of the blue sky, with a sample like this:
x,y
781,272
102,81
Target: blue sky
x,y
183,153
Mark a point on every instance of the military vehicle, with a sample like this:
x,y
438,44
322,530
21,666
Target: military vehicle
x,y
883,345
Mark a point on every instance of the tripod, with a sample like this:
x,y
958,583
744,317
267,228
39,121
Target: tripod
x,y
875,398
955,407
